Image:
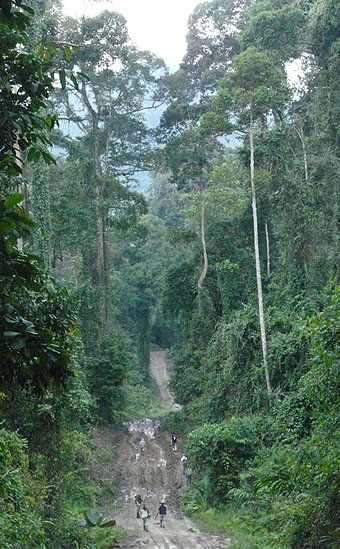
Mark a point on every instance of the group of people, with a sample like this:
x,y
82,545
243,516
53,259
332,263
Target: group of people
x,y
144,513
187,471
142,510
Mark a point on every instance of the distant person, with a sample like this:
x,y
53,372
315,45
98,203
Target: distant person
x,y
142,445
138,502
174,442
184,462
144,516
188,475
162,514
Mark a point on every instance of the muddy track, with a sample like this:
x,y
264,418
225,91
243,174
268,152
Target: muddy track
x,y
157,476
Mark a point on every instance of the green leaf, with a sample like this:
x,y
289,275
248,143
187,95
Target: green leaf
x,y
14,170
83,75
92,518
33,155
49,158
11,334
107,524
13,200
27,8
75,81
68,52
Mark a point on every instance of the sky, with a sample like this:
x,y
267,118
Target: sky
x,y
156,25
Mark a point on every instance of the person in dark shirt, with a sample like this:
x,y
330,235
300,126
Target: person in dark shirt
x,y
174,442
138,502
162,514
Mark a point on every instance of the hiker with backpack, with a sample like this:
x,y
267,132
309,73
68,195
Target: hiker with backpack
x,y
184,462
145,514
162,514
138,502
188,475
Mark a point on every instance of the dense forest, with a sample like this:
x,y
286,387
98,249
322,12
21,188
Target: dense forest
x,y
230,260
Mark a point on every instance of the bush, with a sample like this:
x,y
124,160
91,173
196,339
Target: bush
x,y
221,451
21,524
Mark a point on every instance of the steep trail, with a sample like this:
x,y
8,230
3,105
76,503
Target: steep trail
x,y
159,370
157,476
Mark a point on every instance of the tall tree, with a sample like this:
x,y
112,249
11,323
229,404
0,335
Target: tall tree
x,y
247,94
108,108
212,42
189,156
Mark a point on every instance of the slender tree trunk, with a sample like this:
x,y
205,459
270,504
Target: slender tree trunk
x,y
19,162
100,226
304,151
101,261
257,260
268,249
204,248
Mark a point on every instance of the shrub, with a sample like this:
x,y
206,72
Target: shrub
x,y
221,451
21,524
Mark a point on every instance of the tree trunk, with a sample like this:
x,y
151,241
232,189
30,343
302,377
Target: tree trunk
x,y
100,226
257,259
19,163
301,136
268,249
204,248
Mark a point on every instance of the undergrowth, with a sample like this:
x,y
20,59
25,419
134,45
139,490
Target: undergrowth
x,y
247,530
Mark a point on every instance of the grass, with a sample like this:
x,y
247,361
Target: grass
x,y
247,530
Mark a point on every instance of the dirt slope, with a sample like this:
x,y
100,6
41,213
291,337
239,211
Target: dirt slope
x,y
159,370
157,476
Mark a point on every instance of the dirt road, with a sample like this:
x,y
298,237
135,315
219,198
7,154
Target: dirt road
x,y
157,476
159,370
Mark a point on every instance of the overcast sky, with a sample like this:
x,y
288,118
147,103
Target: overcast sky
x,y
156,25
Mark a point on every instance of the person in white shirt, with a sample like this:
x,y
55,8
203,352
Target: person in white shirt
x,y
142,445
144,514
184,461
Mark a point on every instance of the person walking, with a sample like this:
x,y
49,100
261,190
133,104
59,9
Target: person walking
x,y
144,516
142,445
174,442
188,475
138,502
162,514
184,462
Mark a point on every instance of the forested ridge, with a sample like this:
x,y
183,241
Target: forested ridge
x,y
230,260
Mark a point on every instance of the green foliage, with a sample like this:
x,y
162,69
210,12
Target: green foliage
x,y
221,450
37,316
279,472
206,58
106,370
176,422
253,88
21,519
276,29
95,519
248,530
140,394
27,79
